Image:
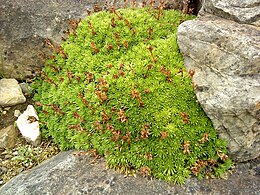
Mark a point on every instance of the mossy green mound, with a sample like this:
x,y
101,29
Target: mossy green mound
x,y
118,85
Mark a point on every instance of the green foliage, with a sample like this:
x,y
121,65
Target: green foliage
x,y
118,85
23,157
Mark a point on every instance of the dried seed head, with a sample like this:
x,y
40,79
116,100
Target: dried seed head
x,y
133,31
121,116
169,79
163,135
145,131
122,66
116,135
222,156
145,171
38,104
126,44
191,73
186,147
149,156
147,91
109,47
121,72
205,138
110,127
76,115
32,119
150,48
105,116
134,93
113,22
97,125
150,66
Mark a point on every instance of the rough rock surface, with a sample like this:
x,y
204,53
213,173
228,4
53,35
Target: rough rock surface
x,y
10,93
25,24
70,174
225,56
8,137
246,11
28,125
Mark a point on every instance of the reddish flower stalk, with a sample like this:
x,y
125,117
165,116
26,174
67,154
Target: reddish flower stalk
x,y
160,8
94,47
91,28
117,37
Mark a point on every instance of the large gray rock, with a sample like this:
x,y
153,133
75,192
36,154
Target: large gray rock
x,y
10,93
246,11
225,56
69,174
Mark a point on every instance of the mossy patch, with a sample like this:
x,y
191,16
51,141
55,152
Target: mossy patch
x,y
118,85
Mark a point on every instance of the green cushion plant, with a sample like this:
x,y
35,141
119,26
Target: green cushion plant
x,y
118,85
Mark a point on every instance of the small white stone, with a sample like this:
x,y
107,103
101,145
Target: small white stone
x,y
28,125
17,113
4,112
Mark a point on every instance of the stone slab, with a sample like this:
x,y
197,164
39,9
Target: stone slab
x,y
70,174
